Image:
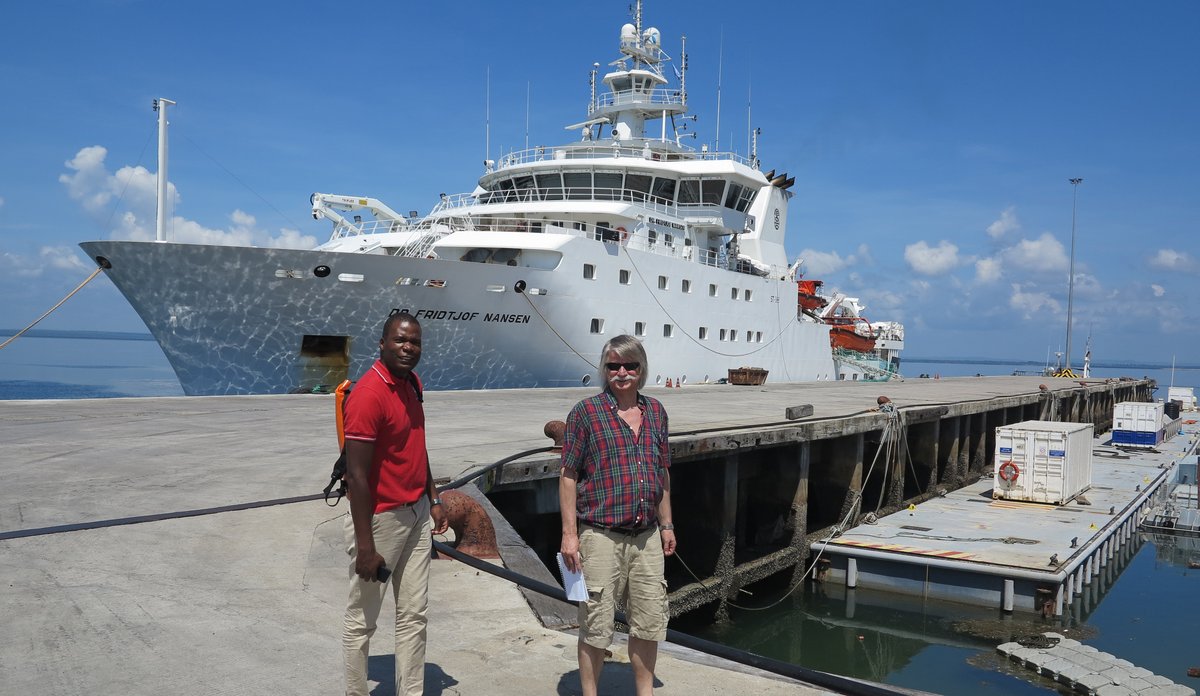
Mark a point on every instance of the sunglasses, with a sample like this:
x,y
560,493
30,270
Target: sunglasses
x,y
629,366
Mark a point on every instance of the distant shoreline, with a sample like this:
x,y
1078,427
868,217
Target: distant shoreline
x,y
89,335
1115,364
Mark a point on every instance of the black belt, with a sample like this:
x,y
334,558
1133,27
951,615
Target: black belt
x,y
628,531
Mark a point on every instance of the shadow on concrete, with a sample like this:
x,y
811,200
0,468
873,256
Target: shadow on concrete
x,y
382,669
615,680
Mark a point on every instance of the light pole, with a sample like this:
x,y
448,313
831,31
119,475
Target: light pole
x,y
1071,281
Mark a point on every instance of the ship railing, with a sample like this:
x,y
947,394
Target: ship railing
x,y
630,97
438,227
650,202
615,151
864,362
341,230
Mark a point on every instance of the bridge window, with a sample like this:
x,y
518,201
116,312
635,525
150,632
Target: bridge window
x,y
608,186
711,190
689,191
637,186
578,185
663,190
550,186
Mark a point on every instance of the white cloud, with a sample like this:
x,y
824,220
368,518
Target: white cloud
x,y
1042,254
137,190
1033,304
64,258
932,261
1172,260
822,263
987,270
1007,223
1159,290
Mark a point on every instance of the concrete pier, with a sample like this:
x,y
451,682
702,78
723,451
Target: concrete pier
x,y
247,601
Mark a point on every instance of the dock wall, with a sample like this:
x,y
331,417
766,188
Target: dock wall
x,y
750,502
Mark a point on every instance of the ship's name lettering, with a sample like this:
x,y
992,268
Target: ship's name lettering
x,y
666,223
449,315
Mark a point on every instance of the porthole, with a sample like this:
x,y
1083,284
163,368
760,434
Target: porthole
x,y
321,271
587,379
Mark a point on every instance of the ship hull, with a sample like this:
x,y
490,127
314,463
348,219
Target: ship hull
x,y
240,320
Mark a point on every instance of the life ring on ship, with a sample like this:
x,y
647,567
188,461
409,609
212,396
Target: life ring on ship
x,y
1008,472
624,235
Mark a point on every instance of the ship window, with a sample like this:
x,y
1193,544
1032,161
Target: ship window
x,y
669,240
652,237
505,187
686,286
662,283
733,335
689,191
477,255
524,187
637,186
744,198
748,294
578,185
608,186
733,194
589,271
758,337
723,333
550,186
749,337
703,333
733,293
597,326
711,190
712,289
535,226
668,330
639,328
663,191
624,276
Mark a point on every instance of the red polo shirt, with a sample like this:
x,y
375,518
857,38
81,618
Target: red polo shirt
x,y
388,413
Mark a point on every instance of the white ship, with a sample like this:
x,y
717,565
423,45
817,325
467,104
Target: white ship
x,y
520,282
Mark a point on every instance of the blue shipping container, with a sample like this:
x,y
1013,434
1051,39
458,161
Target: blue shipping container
x,y
1135,438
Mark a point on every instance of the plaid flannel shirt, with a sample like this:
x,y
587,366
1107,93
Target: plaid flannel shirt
x,y
620,478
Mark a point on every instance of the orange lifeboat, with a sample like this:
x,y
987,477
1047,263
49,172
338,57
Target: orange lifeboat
x,y
807,297
843,334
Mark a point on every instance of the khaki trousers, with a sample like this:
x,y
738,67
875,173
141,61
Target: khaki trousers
x,y
403,536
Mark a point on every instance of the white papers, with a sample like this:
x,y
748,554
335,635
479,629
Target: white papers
x,y
572,582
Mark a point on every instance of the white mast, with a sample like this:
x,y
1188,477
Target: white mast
x,y
160,105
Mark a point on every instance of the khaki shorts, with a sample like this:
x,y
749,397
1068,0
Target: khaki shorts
x,y
622,569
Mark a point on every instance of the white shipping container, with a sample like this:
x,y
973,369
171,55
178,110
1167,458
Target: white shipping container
x,y
1184,395
1042,461
1138,416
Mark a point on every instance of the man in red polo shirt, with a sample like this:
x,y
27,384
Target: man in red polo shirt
x,y
392,498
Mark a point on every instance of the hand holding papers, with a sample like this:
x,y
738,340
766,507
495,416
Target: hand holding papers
x,y
572,581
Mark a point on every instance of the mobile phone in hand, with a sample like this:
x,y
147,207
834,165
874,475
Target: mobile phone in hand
x,y
383,573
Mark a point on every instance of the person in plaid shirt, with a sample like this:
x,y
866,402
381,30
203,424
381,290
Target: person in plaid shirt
x,y
615,496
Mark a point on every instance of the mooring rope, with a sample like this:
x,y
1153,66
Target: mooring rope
x,y
48,311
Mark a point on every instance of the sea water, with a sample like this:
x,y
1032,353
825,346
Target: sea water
x,y
1142,615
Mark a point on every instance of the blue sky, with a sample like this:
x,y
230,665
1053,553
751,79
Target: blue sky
x,y
931,141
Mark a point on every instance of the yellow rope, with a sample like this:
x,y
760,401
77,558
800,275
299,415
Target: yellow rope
x,y
48,311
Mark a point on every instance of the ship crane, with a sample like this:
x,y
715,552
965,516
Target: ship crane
x,y
327,205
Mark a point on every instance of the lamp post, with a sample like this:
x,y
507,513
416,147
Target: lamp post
x,y
1071,281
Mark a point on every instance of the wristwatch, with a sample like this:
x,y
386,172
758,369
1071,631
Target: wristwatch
x,y
435,501
666,527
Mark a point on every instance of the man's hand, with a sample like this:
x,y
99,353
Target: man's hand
x,y
668,541
366,565
570,551
441,521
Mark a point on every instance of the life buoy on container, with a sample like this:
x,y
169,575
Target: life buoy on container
x,y
1008,472
624,235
